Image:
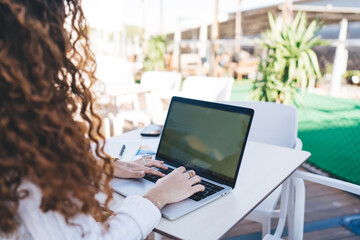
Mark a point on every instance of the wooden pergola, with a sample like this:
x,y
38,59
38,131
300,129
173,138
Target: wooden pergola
x,y
255,21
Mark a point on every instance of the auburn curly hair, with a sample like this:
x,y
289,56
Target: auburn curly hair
x,y
46,75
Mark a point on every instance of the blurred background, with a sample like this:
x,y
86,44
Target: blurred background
x,y
150,50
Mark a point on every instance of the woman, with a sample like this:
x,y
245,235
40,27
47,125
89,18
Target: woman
x,y
48,174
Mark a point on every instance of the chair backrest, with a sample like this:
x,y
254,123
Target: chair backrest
x,y
190,60
207,88
273,123
116,74
161,80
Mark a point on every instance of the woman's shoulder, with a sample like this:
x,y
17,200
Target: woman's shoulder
x,y
49,224
21,233
31,193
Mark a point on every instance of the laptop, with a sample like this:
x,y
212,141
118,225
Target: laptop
x,y
207,137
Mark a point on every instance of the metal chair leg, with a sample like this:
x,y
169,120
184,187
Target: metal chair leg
x,y
299,208
266,227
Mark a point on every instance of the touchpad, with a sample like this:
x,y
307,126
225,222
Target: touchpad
x,y
137,187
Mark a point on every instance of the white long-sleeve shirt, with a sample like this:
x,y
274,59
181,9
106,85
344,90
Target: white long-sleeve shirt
x,y
134,219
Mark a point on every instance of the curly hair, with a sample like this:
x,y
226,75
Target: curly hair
x,y
46,75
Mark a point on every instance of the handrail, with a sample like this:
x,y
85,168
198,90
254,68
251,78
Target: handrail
x,y
327,181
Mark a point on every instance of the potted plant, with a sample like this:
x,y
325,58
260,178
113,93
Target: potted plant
x,y
289,62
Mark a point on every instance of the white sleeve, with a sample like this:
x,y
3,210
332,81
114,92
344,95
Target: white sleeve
x,y
134,219
140,212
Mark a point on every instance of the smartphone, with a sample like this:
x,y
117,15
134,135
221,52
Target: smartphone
x,y
151,131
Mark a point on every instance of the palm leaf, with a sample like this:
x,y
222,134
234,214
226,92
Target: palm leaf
x,y
310,44
301,27
309,33
292,69
309,70
296,21
276,34
314,60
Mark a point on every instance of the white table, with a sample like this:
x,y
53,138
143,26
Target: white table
x,y
263,168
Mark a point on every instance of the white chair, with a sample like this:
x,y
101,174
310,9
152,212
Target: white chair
x,y
207,88
161,81
163,86
116,74
156,86
119,86
297,197
271,237
272,124
283,212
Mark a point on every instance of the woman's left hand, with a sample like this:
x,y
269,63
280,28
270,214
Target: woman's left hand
x,y
138,168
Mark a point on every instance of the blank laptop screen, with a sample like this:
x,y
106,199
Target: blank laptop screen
x,y
208,140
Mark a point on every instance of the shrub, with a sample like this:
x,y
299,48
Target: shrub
x,y
290,62
155,54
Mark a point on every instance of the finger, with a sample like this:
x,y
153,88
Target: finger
x,y
139,174
195,180
192,173
180,169
132,174
156,163
142,160
145,158
154,172
187,175
197,188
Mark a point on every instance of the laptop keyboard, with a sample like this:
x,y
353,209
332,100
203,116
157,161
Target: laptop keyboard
x,y
154,178
210,188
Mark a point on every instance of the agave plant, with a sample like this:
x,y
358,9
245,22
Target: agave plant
x,y
290,62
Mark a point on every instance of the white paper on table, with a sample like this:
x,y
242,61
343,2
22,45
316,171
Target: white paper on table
x,y
131,147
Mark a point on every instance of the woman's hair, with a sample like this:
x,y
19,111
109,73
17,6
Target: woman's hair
x,y
46,73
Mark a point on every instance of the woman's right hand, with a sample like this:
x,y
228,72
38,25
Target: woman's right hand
x,y
176,186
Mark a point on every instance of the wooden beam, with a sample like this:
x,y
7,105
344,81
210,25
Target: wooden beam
x,y
238,27
310,8
255,21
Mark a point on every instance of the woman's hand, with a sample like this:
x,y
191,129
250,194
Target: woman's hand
x,y
176,186
138,168
149,162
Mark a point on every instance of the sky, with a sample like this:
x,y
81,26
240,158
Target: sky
x,y
115,13
183,11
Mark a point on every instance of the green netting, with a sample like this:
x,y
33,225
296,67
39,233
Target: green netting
x,y
330,129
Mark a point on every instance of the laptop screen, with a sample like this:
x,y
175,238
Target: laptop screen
x,y
207,137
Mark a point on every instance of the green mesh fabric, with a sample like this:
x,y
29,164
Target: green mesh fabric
x,y
329,128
